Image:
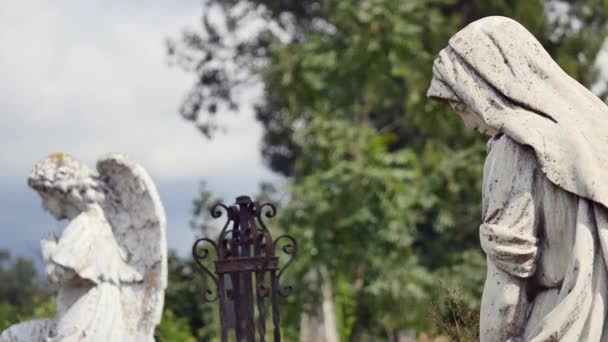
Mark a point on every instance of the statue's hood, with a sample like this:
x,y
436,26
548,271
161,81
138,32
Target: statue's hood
x,y
498,69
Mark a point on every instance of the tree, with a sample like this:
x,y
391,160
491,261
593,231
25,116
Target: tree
x,y
186,317
22,293
384,185
225,54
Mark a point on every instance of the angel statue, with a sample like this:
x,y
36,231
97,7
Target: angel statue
x,y
110,262
544,223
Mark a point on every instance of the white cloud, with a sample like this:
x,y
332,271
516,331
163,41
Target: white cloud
x,y
87,79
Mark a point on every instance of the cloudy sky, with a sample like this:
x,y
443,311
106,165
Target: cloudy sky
x,y
89,77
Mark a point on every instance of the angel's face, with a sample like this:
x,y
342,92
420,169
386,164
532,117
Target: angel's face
x,y
472,120
60,209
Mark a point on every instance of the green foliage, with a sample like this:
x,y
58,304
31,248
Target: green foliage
x,y
9,315
353,186
22,294
44,306
18,287
186,316
173,329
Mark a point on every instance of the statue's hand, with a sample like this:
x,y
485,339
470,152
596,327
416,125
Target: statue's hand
x,y
49,245
58,274
54,272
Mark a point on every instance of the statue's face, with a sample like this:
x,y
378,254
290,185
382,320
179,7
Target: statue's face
x,y
57,208
472,120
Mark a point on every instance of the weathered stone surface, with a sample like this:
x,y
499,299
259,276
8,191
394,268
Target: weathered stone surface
x,y
545,192
110,262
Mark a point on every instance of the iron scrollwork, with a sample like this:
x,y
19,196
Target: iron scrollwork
x,y
247,270
291,249
200,255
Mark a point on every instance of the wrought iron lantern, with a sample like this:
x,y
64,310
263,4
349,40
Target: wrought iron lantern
x,y
247,270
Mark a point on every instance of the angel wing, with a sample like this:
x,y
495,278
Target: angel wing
x,y
135,212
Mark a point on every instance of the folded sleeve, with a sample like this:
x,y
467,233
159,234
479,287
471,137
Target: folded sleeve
x,y
509,230
88,247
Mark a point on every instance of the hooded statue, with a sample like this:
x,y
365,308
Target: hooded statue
x,y
545,187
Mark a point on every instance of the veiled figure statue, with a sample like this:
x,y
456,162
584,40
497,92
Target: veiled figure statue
x,y
110,262
545,186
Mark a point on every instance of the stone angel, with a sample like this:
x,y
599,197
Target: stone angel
x,y
545,185
110,262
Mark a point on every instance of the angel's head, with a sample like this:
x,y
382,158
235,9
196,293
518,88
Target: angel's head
x,y
66,186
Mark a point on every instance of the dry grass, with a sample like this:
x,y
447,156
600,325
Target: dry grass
x,y
455,319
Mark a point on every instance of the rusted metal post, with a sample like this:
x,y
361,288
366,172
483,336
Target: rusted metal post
x,y
247,270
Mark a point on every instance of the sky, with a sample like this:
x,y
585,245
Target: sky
x,y
90,77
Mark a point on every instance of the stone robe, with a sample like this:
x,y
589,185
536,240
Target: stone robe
x,y
89,301
535,230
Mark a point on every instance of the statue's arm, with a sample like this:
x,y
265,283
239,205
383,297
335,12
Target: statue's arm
x,y
56,273
88,248
508,236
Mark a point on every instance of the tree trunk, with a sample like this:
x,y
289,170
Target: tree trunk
x,y
320,327
357,331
